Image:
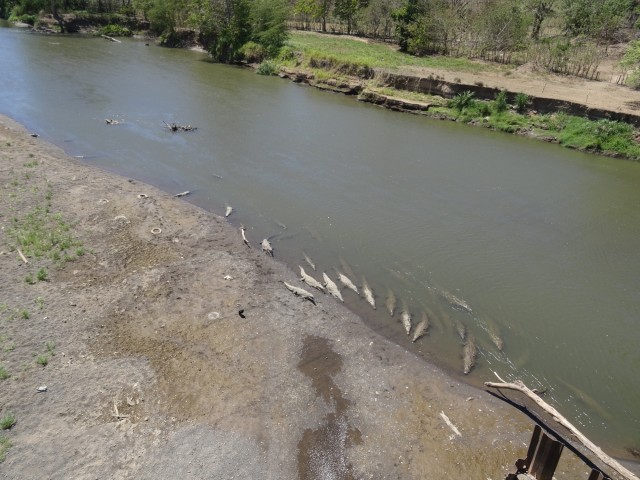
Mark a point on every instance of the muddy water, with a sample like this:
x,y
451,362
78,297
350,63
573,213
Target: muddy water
x,y
518,243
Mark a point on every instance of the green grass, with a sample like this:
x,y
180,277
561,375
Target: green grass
x,y
601,136
8,421
374,55
5,444
39,301
3,373
42,360
42,274
41,234
51,347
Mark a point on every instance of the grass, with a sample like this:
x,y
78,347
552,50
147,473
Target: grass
x,y
24,313
5,444
373,55
51,347
42,360
39,301
42,234
42,274
601,136
3,373
8,421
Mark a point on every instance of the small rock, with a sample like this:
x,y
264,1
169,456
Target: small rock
x,y
42,389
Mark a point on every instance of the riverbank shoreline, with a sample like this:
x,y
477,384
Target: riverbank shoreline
x,y
169,348
582,105
432,96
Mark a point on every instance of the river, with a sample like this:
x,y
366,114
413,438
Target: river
x,y
539,241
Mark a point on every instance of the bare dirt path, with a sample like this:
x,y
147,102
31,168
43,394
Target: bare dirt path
x,y
152,373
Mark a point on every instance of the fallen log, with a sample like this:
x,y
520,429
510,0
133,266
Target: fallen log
x,y
597,451
110,38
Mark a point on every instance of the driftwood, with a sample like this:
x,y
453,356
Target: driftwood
x,y
597,451
110,38
182,194
174,127
244,237
24,259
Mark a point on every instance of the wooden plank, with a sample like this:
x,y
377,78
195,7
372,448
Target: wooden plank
x,y
533,445
541,454
550,461
596,475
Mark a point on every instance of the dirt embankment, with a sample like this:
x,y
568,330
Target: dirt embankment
x,y
151,372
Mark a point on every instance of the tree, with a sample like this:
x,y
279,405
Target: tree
x,y
268,24
595,18
405,18
540,10
502,27
345,10
631,64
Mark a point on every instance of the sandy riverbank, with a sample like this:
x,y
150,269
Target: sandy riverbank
x,y
152,373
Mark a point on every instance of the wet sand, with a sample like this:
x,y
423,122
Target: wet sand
x,y
153,373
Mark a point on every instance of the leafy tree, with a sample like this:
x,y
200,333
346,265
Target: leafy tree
x,y
345,10
434,30
631,63
233,19
405,18
268,24
502,26
307,9
601,18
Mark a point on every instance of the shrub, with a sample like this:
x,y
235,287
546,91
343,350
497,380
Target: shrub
x,y
42,274
8,421
253,52
24,18
115,31
484,109
462,101
522,102
268,67
286,53
5,444
500,102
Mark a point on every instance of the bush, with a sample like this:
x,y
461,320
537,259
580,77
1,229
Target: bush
x,y
462,101
268,67
522,102
253,52
286,53
7,421
115,31
24,18
500,102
